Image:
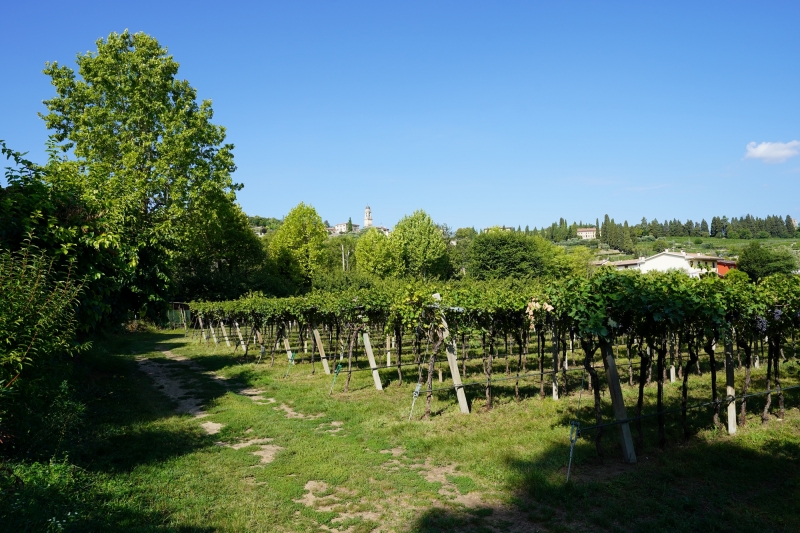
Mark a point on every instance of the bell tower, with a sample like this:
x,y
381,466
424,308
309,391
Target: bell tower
x,y
367,218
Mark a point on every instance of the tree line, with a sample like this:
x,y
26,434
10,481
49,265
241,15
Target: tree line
x,y
747,227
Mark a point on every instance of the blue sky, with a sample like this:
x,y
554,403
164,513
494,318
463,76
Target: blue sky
x,y
481,113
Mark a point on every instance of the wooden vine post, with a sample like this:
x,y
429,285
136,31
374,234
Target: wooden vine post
x,y
452,361
239,334
323,357
224,333
617,402
288,348
372,364
730,385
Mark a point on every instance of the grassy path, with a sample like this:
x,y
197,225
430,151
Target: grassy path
x,y
179,437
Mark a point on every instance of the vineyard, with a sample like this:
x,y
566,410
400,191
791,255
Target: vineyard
x,y
559,337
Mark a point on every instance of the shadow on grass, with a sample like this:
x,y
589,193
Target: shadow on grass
x,y
724,485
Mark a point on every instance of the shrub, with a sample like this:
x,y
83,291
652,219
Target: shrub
x,y
697,240
660,245
37,313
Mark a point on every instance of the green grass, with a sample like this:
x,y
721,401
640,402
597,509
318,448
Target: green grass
x,y
134,465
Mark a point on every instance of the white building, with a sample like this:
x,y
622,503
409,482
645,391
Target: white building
x,y
692,264
587,233
341,228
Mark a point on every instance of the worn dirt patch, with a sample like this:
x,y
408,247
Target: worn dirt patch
x,y
211,428
331,427
168,382
266,452
396,452
291,413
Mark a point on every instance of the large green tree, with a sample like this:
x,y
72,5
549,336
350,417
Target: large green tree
x,y
378,254
300,241
499,254
758,261
422,246
221,258
145,148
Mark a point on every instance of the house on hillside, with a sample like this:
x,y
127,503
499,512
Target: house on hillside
x,y
692,264
341,228
587,233
725,265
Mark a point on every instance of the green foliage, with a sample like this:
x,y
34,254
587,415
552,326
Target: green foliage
x,y
145,152
422,245
268,223
37,312
759,262
41,207
660,245
298,243
378,254
220,258
339,253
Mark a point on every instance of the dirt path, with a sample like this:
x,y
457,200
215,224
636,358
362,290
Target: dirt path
x,y
176,382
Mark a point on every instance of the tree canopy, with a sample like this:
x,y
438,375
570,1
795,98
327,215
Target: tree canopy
x,y
300,240
422,246
144,149
758,262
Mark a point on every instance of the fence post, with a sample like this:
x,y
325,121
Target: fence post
x,y
372,364
452,360
617,402
213,332
224,333
288,348
202,329
321,349
730,388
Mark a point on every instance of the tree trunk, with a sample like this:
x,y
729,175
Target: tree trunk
x,y
399,347
628,346
765,414
508,360
748,359
464,354
540,350
556,363
589,350
353,338
661,349
777,349
522,347
709,348
564,364
487,370
276,338
313,347
643,365
692,348
431,365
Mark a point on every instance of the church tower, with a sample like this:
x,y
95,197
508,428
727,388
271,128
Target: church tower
x,y
367,218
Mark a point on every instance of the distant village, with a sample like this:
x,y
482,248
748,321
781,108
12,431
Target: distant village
x,y
348,227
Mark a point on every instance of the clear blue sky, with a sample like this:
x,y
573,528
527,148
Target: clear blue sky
x,y
481,113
